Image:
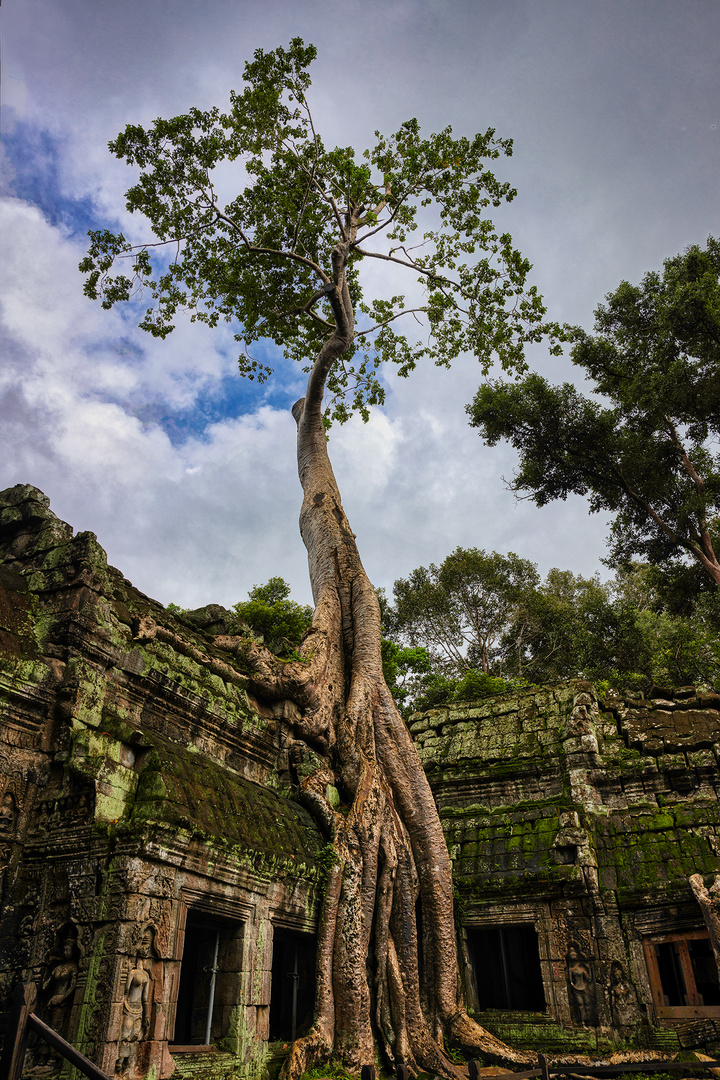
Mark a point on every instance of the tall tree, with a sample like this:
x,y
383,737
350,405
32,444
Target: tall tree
x,y
282,261
644,450
269,611
560,630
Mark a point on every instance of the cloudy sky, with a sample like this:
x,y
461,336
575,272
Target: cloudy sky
x,y
185,473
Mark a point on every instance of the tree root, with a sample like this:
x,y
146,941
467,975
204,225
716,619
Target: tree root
x,y
471,1037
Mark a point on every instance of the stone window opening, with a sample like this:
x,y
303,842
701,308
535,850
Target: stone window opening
x,y
210,973
292,991
683,975
506,964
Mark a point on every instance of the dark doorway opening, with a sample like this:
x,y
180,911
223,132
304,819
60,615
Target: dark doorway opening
x,y
292,993
506,962
209,980
704,969
671,973
683,972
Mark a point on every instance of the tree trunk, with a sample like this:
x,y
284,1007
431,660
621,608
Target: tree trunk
x,y
390,857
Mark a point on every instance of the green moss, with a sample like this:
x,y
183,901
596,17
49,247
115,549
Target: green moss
x,y
178,788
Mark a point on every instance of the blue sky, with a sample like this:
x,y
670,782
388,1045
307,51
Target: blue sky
x,y
187,473
33,158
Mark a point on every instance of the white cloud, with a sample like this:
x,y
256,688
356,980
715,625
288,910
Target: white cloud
x,y
608,181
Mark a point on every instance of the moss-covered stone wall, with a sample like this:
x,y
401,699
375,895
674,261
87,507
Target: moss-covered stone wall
x,y
584,817
144,790
140,785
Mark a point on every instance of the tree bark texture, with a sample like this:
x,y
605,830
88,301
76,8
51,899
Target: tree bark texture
x,y
377,983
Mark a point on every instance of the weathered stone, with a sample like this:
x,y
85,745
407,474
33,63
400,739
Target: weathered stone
x,y
138,789
590,830
143,803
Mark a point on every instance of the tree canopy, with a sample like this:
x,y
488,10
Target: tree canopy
x,y
264,260
270,613
643,446
626,632
459,610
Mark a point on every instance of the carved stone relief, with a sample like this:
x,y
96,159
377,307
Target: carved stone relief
x,y
581,988
136,1006
57,989
623,999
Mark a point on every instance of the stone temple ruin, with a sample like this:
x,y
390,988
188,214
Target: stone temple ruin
x,y
160,886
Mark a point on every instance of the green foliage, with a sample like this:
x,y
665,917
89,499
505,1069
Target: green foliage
x,y
437,689
459,610
405,670
619,633
476,685
456,1055
174,609
332,1069
626,632
561,629
269,613
326,858
645,448
264,261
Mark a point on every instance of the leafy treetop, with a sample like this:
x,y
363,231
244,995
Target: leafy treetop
x,y
270,612
642,447
264,260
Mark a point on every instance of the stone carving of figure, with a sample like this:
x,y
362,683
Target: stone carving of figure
x,y
7,828
622,997
59,984
7,815
582,988
136,1005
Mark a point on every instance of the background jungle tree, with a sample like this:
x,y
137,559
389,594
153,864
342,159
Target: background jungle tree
x,y
627,632
645,447
459,610
282,260
269,612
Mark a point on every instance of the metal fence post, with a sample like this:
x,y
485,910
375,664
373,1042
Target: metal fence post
x,y
23,1002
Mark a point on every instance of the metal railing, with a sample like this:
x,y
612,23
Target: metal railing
x,y
22,1021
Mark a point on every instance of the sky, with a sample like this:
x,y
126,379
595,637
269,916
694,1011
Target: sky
x,y
186,473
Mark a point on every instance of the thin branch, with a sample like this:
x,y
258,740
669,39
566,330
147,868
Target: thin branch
x,y
298,223
257,249
410,265
320,190
704,538
338,217
689,467
378,210
320,321
378,228
307,309
311,175
378,326
143,247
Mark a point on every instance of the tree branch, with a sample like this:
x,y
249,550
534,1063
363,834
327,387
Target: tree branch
x,y
256,249
410,265
704,535
378,326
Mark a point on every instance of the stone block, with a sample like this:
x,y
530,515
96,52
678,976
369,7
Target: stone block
x,y
262,1023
